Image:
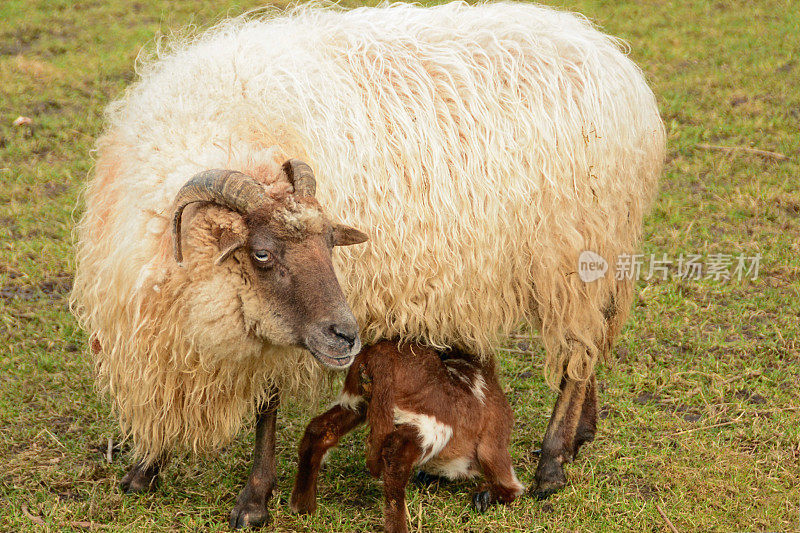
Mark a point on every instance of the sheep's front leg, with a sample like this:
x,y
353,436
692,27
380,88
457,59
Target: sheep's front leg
x,y
321,435
251,506
141,478
573,423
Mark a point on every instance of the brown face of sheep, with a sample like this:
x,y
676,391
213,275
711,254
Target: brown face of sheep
x,y
290,256
289,247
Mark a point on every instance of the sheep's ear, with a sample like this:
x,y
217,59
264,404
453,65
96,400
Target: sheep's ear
x,y
229,242
345,235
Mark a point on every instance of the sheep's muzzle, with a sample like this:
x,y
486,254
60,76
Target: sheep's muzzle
x,y
334,343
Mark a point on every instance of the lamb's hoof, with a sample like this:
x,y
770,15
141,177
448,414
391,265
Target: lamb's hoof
x,y
550,478
481,501
425,479
249,514
139,480
302,505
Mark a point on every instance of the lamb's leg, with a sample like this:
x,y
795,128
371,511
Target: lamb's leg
x,y
425,479
561,440
251,506
322,434
399,454
141,478
495,461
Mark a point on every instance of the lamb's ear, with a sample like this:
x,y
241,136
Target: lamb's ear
x,y
345,235
229,242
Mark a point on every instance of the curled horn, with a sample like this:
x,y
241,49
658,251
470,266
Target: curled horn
x,y
301,177
234,190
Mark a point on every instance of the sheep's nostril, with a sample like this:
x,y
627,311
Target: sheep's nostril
x,y
346,333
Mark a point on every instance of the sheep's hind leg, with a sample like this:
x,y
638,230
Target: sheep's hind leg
x,y
399,452
322,433
141,478
251,506
587,424
572,424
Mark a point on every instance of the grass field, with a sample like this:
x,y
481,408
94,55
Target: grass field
x,y
700,411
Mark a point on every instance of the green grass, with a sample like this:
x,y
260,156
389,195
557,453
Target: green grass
x,y
700,409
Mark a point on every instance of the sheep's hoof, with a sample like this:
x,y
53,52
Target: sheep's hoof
x,y
139,479
249,514
481,501
549,479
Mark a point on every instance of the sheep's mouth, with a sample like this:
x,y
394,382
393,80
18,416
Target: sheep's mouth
x,y
337,363
333,355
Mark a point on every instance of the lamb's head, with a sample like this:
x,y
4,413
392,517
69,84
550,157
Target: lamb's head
x,y
288,258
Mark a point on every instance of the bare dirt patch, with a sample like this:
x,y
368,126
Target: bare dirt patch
x,y
53,287
36,68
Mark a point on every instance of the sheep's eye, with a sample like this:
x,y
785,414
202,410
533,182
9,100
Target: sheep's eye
x,y
262,256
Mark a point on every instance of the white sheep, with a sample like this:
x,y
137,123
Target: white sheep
x,y
482,148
